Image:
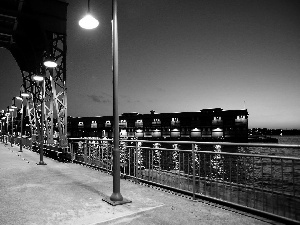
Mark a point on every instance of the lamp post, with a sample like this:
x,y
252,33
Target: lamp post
x,y
38,79
89,22
21,98
2,125
2,118
7,117
12,109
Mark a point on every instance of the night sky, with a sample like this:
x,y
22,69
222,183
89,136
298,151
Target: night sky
x,y
180,56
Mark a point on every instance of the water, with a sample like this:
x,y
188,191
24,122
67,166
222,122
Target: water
x,y
293,139
288,140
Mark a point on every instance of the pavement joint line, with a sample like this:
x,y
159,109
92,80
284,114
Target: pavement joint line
x,y
130,214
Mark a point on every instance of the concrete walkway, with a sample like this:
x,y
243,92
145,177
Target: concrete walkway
x,y
67,193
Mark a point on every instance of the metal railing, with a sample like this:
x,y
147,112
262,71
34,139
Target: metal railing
x,y
49,150
232,173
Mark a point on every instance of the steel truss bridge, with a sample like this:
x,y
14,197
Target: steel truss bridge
x,y
33,30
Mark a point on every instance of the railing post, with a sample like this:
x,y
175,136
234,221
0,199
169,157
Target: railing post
x,y
21,144
89,153
136,161
85,151
194,171
71,151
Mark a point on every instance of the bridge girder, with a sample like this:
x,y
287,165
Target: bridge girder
x,y
31,30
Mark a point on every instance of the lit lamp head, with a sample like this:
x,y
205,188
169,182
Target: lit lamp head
x,y
88,21
13,105
38,77
23,93
50,62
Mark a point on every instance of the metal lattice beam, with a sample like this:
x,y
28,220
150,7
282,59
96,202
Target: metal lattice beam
x,y
58,84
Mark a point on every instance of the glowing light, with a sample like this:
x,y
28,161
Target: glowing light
x,y
25,94
88,22
38,78
217,129
50,63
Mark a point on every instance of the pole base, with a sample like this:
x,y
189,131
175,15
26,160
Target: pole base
x,y
20,151
41,163
114,203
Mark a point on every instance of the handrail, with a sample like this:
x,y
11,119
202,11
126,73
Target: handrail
x,y
199,143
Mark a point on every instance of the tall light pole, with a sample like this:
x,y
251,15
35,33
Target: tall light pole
x,y
2,118
89,22
50,62
41,79
12,109
2,125
7,117
21,98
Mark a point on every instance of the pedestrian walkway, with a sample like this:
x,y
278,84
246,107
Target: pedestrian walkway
x,y
67,193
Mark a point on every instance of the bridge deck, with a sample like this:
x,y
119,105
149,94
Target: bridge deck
x,y
67,193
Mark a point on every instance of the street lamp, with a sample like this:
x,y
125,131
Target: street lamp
x,y
7,117
38,79
2,125
50,61
12,109
13,105
89,22
23,95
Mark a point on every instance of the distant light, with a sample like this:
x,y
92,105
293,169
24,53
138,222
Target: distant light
x,y
19,98
25,94
13,107
50,63
38,78
88,22
217,129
